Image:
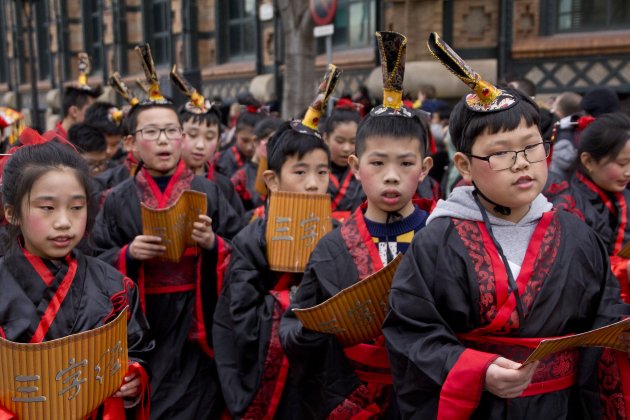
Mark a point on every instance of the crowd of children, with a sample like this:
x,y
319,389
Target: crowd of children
x,y
506,260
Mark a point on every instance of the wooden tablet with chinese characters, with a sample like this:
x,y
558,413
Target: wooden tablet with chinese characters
x,y
295,223
67,378
355,314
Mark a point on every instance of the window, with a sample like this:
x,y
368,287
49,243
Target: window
x,y
355,24
157,21
93,33
42,39
238,33
159,34
591,15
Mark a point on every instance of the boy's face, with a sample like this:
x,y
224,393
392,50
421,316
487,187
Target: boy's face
x,y
306,175
341,142
390,170
160,155
199,144
515,187
113,144
246,141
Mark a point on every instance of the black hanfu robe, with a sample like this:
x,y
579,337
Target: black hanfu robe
x,y
451,315
43,301
229,161
226,187
255,375
178,298
336,382
606,212
346,193
244,181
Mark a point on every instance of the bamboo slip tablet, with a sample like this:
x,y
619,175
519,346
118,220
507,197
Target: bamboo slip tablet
x,y
67,378
174,224
355,314
602,337
295,223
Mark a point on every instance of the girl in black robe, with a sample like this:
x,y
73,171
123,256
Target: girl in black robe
x,y
598,191
49,288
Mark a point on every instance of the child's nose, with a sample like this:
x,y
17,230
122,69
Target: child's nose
x,y
62,221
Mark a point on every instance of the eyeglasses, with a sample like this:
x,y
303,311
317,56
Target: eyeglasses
x,y
506,159
153,133
97,165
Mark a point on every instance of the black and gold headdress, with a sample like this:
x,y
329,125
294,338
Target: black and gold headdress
x,y
308,124
121,88
392,48
196,104
486,96
81,84
154,95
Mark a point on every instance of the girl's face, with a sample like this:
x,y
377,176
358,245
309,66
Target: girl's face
x,y
609,174
246,141
54,214
341,142
199,143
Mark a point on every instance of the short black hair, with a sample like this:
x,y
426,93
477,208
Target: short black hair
x,y
525,86
267,126
340,115
465,125
77,97
87,138
131,122
98,116
395,126
209,118
605,137
249,119
287,142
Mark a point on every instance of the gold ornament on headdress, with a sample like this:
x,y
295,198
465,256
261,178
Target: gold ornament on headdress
x,y
119,86
318,106
84,70
146,59
197,101
486,96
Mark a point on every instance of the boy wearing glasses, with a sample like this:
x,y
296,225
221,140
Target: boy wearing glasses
x,y
178,297
495,271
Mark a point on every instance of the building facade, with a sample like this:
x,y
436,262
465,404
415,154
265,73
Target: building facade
x,y
226,46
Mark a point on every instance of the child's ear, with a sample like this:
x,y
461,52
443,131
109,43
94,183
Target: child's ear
x,y
353,161
587,161
9,215
271,180
129,143
462,163
73,110
427,164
